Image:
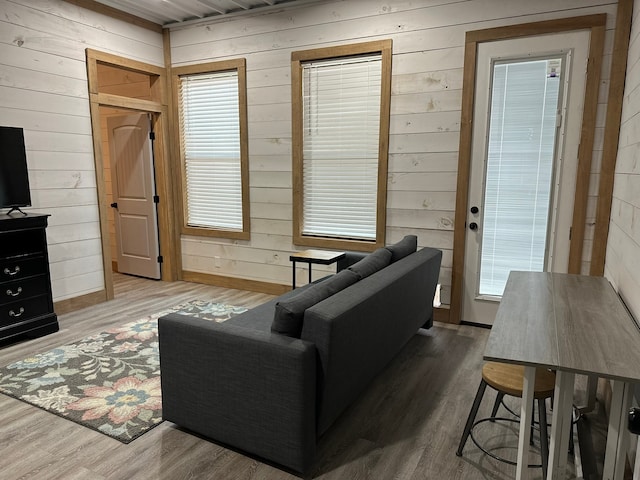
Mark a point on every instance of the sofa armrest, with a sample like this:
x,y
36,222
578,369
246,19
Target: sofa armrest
x,y
248,389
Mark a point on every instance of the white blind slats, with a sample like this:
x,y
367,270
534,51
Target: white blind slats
x,y
210,121
341,121
520,164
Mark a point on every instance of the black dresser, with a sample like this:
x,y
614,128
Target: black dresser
x,y
26,303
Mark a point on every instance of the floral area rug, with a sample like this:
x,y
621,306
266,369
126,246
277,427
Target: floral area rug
x,y
109,382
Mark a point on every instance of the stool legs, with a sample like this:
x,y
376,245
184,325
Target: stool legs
x,y
472,416
496,405
542,418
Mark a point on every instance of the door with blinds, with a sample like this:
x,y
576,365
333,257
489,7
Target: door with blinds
x,y
133,187
529,102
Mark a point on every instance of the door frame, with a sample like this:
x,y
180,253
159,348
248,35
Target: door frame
x,y
158,108
596,25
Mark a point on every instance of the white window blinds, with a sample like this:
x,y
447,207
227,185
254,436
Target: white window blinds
x,y
341,123
210,121
520,166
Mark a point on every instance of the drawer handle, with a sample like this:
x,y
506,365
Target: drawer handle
x,y
11,294
9,272
14,314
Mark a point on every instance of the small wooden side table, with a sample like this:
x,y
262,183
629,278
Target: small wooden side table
x,y
322,257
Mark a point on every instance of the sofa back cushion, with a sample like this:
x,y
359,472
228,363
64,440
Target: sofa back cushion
x,y
359,330
372,263
406,246
289,313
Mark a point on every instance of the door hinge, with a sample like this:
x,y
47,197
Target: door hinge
x,y
570,232
152,135
160,259
156,199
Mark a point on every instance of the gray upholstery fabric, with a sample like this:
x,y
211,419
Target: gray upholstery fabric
x,y
261,317
359,330
349,259
289,313
250,390
372,263
406,246
271,395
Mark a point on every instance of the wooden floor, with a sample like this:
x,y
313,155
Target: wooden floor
x,y
405,426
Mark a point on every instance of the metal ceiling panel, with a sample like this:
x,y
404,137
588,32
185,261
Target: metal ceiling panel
x,y
174,12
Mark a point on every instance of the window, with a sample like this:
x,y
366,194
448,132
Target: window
x,y
341,98
213,142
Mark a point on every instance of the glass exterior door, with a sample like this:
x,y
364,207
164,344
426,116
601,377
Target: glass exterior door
x,y
527,118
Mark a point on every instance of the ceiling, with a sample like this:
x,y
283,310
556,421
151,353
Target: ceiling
x,y
172,12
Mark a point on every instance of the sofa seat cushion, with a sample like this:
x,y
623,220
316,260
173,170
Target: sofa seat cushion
x,y
372,263
406,246
289,312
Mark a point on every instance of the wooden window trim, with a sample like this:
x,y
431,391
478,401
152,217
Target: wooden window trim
x,y
212,67
384,47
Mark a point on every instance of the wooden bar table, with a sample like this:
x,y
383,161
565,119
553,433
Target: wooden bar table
x,y
573,324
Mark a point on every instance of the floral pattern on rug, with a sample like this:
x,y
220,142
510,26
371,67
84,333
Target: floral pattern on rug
x,y
109,382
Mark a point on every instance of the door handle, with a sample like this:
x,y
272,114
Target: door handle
x,y
114,205
473,226
474,209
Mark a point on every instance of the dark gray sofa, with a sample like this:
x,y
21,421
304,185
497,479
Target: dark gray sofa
x,y
271,395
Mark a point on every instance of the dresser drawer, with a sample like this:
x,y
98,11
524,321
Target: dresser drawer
x,y
27,242
22,310
23,288
17,268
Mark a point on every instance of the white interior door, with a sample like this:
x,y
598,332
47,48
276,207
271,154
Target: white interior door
x,y
527,121
133,185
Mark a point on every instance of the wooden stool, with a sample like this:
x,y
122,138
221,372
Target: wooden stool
x,y
507,379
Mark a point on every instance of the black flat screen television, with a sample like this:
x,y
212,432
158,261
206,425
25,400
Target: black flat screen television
x,y
14,177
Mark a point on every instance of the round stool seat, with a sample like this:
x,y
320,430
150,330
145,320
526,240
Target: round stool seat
x,y
507,378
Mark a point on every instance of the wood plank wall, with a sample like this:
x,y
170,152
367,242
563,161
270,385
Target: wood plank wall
x,y
428,43
623,251
43,88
